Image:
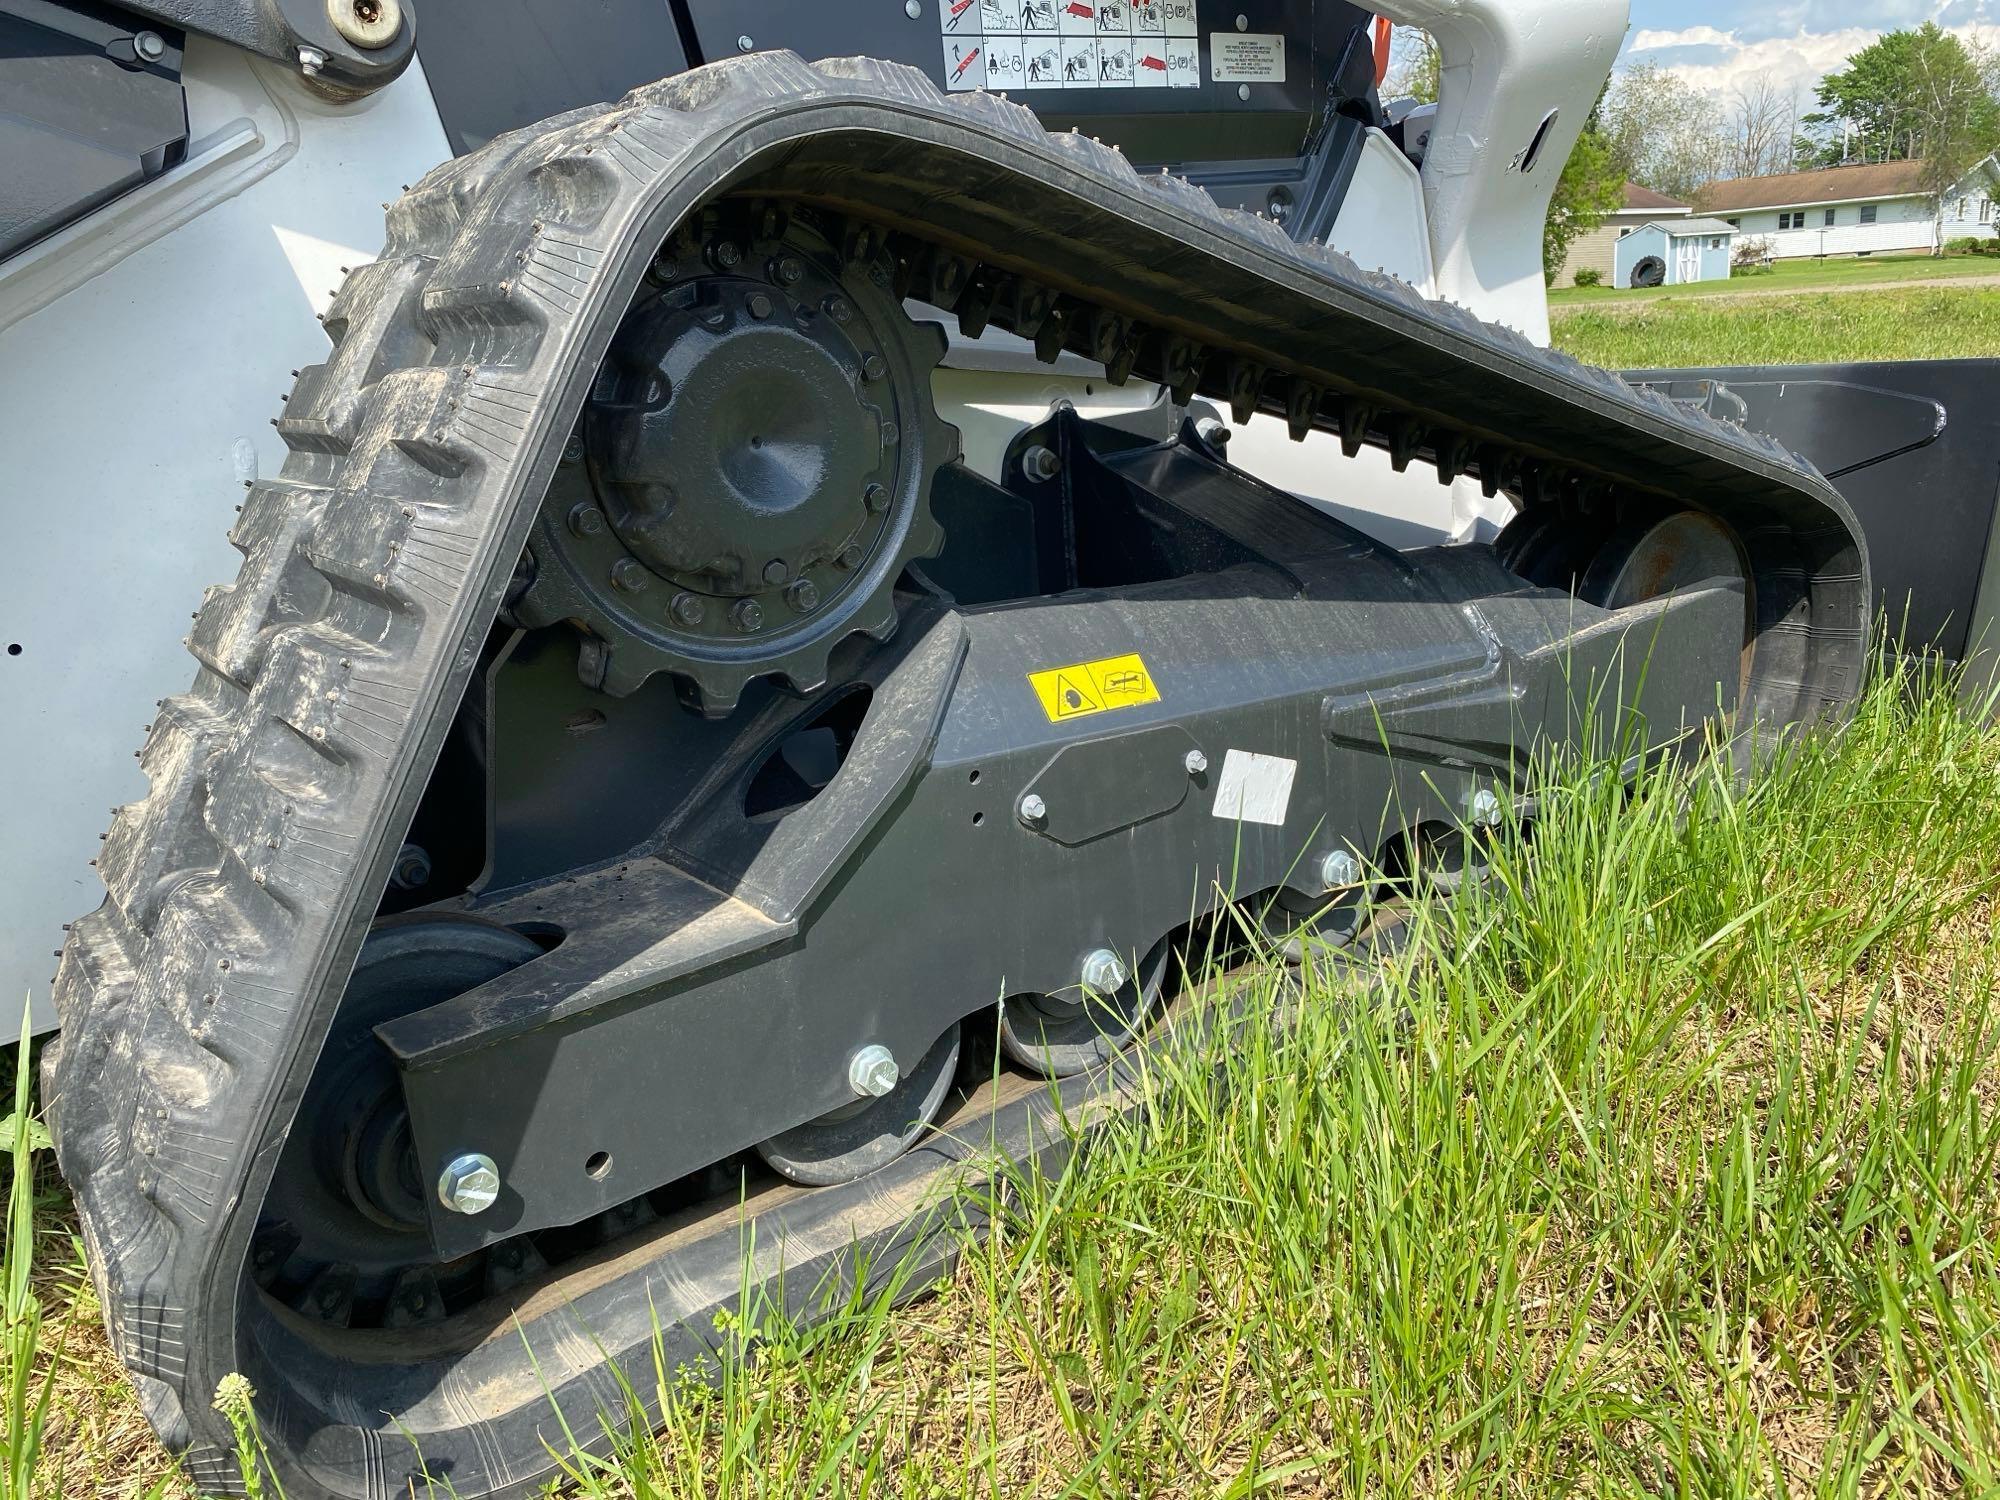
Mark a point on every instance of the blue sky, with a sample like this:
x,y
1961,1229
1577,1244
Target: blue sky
x,y
1720,44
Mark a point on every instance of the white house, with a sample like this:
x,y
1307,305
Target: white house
x,y
1870,208
1596,249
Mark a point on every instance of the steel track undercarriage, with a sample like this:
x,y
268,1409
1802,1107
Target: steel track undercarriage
x,y
640,776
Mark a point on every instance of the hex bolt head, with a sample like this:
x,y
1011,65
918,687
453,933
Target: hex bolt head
x,y
587,521
838,308
747,615
573,450
1040,464
874,367
726,255
745,44
850,557
469,1184
629,575
872,1072
788,270
311,60
914,9
1104,972
1339,871
148,46
759,305
688,609
1033,809
1194,762
876,498
803,596
1213,432
1483,810
775,571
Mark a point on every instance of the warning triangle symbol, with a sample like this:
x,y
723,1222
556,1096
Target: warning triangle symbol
x,y
1075,695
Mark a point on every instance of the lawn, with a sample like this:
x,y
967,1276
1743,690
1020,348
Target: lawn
x,y
1812,327
1793,275
1672,1171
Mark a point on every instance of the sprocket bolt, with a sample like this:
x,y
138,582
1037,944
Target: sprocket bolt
x,y
788,270
839,309
874,367
726,255
850,557
775,571
587,521
802,596
573,451
760,305
748,615
876,499
629,575
688,609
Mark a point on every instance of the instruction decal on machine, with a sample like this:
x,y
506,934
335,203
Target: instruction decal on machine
x,y
1071,44
1246,57
1255,788
1093,687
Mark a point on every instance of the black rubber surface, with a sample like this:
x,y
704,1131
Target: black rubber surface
x,y
196,998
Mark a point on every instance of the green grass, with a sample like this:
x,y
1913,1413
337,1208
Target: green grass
x,y
1791,275
1892,323
1675,1170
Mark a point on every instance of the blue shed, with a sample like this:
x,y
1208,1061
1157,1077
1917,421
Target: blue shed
x,y
1672,252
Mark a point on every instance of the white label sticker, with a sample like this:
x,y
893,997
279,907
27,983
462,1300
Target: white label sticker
x,y
1246,57
1255,788
1070,44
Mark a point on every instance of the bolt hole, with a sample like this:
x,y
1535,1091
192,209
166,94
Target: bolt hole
x,y
368,11
977,819
756,442
15,650
598,1166
973,778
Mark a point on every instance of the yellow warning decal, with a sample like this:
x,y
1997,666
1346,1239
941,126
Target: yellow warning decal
x,y
1093,687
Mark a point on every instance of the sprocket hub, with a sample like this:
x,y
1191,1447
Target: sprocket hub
x,y
752,472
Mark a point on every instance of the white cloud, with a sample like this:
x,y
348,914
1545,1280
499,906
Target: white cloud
x,y
1723,61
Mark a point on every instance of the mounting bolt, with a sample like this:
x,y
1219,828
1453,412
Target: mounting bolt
x,y
311,60
1195,762
872,1071
747,615
587,521
1033,810
469,1184
629,575
573,450
1339,870
368,24
838,308
726,255
1104,972
849,558
745,44
876,499
688,609
802,596
914,9
788,270
148,46
874,367
1040,464
759,305
1213,432
775,571
412,870
1483,809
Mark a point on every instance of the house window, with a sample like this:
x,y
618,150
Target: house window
x,y
1716,243
1792,220
1828,220
1958,210
1623,232
1868,213
1986,210
1734,223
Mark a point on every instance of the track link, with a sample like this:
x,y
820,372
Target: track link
x,y
195,999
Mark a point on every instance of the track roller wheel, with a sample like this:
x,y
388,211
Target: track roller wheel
x,y
862,1137
1059,1035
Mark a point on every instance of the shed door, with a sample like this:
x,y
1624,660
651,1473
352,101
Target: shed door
x,y
1687,260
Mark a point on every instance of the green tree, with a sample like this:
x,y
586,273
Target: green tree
x,y
1592,185
1665,133
1910,94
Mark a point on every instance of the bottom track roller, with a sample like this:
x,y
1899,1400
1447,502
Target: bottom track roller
x,y
1064,1033
874,1130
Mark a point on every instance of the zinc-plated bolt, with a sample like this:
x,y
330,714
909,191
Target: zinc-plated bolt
x,y
747,615
914,9
1104,972
872,1071
149,46
1243,92
1195,762
1040,464
1033,809
469,1184
744,44
311,60
688,609
1483,810
1339,870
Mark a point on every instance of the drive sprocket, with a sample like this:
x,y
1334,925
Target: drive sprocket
x,y
753,470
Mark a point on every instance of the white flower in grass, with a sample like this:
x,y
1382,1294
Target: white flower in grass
x,y
233,1394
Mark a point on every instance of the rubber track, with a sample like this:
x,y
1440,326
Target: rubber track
x,y
195,997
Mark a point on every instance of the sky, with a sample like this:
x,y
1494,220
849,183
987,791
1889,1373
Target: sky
x,y
1720,45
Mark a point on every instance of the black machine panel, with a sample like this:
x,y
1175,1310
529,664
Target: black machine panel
x,y
90,107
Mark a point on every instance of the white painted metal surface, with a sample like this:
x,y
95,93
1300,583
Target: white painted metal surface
x,y
142,355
